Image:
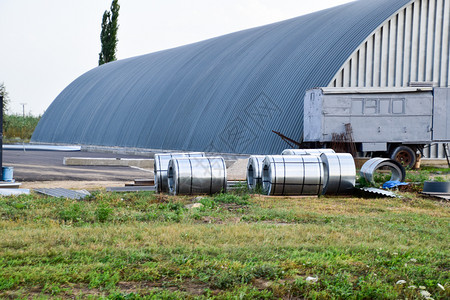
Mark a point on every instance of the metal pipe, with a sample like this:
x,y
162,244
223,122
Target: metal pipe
x,y
368,169
254,171
293,175
161,164
306,151
197,175
340,173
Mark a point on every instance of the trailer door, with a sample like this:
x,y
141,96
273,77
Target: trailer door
x,y
441,114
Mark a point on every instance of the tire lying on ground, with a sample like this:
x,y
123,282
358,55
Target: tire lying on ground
x,y
285,175
161,164
254,171
340,173
197,175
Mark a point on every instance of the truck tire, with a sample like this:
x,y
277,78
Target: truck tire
x,y
405,156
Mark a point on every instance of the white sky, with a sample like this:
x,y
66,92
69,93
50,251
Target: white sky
x,y
46,44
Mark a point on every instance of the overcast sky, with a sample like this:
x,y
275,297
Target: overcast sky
x,y
46,44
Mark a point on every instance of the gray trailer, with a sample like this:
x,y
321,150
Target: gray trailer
x,y
387,122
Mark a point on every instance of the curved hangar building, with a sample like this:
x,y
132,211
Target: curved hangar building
x,y
227,94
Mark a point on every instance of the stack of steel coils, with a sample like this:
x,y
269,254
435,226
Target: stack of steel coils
x,y
295,172
304,172
340,173
161,164
317,152
197,175
254,171
293,175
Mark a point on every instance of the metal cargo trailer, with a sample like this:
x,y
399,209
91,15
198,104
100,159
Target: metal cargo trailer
x,y
388,122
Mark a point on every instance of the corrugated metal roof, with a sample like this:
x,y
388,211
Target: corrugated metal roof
x,y
224,94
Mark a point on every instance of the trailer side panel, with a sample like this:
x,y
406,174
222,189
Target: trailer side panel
x,y
441,117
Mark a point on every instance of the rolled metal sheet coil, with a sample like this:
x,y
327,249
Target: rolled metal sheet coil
x,y
254,171
317,152
161,164
368,169
293,175
197,175
436,187
340,173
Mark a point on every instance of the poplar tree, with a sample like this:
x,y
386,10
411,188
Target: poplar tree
x,y
4,96
108,36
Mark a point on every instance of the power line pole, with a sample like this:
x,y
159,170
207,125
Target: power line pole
x,y
23,108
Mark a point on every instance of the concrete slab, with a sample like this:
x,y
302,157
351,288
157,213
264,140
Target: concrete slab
x,y
9,185
28,147
14,192
238,170
112,162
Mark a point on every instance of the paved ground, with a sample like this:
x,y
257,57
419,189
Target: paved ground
x,y
48,166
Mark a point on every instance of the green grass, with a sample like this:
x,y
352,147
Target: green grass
x,y
17,127
235,246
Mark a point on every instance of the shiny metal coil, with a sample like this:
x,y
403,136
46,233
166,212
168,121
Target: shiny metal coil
x,y
161,164
254,171
306,151
340,173
197,175
293,175
368,169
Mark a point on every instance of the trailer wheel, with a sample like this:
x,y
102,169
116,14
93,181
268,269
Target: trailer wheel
x,y
404,155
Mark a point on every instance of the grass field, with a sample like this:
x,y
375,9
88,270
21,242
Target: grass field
x,y
235,246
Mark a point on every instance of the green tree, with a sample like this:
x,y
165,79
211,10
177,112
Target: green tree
x,y
108,36
4,93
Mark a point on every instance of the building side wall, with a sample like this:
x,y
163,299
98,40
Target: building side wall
x,y
412,46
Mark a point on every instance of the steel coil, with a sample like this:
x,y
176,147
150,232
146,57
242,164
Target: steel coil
x,y
197,175
293,175
317,152
340,173
161,164
254,171
368,169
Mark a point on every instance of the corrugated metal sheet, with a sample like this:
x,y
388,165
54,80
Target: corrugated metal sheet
x,y
63,193
221,95
411,46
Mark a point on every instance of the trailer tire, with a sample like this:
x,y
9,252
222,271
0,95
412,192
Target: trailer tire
x,y
405,156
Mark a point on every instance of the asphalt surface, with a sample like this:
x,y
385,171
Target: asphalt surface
x,y
48,166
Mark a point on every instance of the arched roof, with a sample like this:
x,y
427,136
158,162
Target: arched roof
x,y
224,94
